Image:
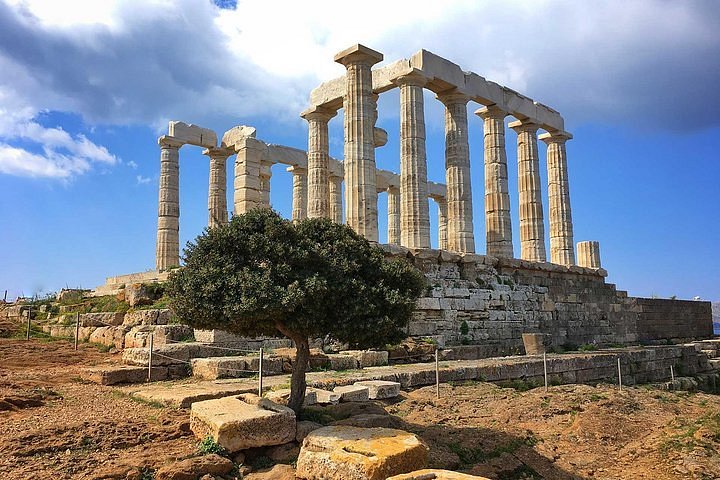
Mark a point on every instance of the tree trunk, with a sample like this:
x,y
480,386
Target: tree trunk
x,y
297,381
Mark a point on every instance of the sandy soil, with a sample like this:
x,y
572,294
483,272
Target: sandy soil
x,y
52,425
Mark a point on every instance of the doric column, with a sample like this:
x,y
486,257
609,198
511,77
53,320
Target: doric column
x,y
167,252
247,194
394,215
457,172
589,254
359,162
265,176
217,191
335,186
414,209
442,223
300,193
498,226
318,161
561,226
532,229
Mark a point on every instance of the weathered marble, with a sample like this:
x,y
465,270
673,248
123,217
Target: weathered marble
x,y
335,189
561,226
217,190
299,193
168,233
589,254
318,164
248,192
394,215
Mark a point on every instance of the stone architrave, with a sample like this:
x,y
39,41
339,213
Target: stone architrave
x,y
318,164
561,226
589,254
300,193
414,208
457,171
442,223
335,188
498,226
167,253
532,228
265,176
359,125
394,215
217,190
248,194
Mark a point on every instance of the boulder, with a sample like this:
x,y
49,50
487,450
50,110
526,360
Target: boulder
x,y
323,396
339,361
243,421
352,393
352,453
193,468
369,420
380,389
304,427
369,358
282,396
102,319
277,472
68,295
285,453
432,474
153,316
109,336
137,294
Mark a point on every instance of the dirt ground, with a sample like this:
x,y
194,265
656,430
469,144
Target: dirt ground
x,y
54,426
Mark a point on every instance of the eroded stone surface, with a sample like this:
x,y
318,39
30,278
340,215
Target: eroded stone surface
x,y
352,393
380,389
433,474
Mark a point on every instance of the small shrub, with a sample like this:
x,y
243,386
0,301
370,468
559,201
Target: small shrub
x,y
587,347
464,328
208,445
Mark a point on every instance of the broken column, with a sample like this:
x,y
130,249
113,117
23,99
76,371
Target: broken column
x,y
265,176
532,229
248,193
167,253
442,223
359,125
318,201
588,254
300,194
561,227
497,197
217,191
414,209
335,187
394,215
457,171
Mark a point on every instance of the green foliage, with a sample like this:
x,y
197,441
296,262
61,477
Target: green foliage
x,y
464,328
208,445
587,347
474,455
261,273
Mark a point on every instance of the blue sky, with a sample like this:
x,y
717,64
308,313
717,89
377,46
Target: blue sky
x,y
85,92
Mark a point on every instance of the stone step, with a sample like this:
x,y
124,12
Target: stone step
x,y
235,367
709,353
114,375
714,364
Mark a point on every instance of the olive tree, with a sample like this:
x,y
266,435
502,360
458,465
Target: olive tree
x,y
261,274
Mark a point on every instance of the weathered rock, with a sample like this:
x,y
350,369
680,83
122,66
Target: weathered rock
x,y
102,319
380,389
137,294
194,468
153,316
282,396
109,336
285,453
352,393
435,475
323,396
277,472
244,421
369,420
351,453
304,427
139,336
369,358
339,361
70,295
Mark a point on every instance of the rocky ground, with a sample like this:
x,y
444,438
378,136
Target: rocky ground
x,y
52,425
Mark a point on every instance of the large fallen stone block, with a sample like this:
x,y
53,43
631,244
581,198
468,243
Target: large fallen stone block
x,y
282,396
323,396
429,474
220,367
104,319
192,134
352,453
380,389
109,336
369,358
244,421
352,393
154,316
339,361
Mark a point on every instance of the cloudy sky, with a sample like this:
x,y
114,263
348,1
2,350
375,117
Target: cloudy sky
x,y
87,86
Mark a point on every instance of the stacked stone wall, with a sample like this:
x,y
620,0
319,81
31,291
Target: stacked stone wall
x,y
662,319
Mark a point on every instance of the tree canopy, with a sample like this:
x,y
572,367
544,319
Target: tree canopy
x,y
261,274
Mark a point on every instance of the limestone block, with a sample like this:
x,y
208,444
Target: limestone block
x,y
369,358
380,389
323,396
103,319
192,134
232,136
220,367
109,336
244,421
147,317
304,427
353,453
282,396
339,361
352,393
433,474
369,420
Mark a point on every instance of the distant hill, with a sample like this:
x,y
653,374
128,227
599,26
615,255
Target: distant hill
x,y
716,317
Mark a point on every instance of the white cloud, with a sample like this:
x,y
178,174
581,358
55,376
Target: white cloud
x,y
142,180
20,162
132,164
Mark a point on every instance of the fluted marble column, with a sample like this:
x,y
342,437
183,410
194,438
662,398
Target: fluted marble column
x,y
394,215
561,226
318,161
457,172
359,123
414,209
498,226
335,187
217,190
299,199
265,176
167,252
589,254
532,229
442,223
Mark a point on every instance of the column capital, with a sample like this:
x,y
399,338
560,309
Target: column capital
x,y
219,152
358,54
318,113
452,97
557,136
414,78
297,170
166,141
491,111
524,126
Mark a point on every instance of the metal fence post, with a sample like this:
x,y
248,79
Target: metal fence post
x,y
545,370
27,336
77,329
260,374
150,358
672,374
437,373
619,374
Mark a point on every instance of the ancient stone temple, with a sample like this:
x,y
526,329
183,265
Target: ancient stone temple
x,y
487,299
